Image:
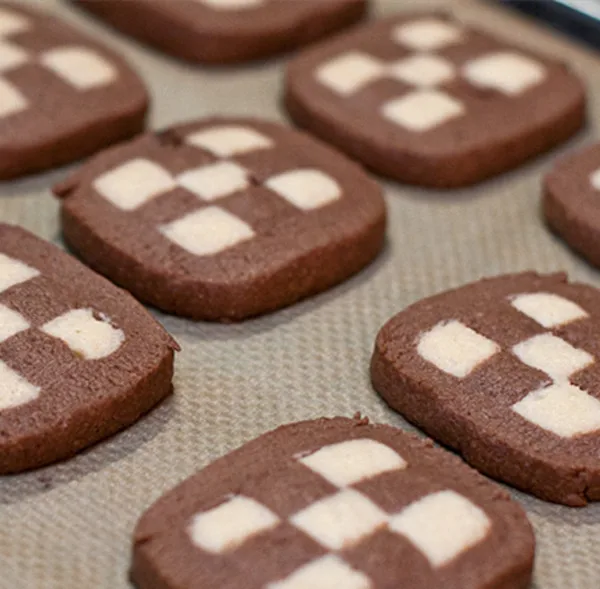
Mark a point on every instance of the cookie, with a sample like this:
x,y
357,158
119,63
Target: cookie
x,y
79,358
570,201
223,219
504,371
334,503
426,100
226,31
62,96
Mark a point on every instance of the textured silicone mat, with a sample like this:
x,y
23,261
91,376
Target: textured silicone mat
x,y
69,526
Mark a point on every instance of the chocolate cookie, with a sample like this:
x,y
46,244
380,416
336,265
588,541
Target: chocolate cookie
x,y
79,358
571,201
504,370
62,96
427,100
224,218
224,31
334,504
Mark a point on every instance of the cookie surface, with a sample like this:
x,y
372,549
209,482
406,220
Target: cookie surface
x,y
423,99
330,504
504,370
79,358
570,201
62,96
224,31
223,219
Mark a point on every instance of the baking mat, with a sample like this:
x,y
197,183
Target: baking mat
x,y
69,526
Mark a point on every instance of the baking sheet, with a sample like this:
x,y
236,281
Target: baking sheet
x,y
69,526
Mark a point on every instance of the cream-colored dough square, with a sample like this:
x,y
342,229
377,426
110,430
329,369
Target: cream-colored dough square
x,y
350,72
230,524
508,72
552,355
85,335
341,520
353,461
11,323
562,409
214,181
14,389
548,309
423,70
455,348
207,231
306,189
229,140
328,572
82,68
427,34
12,101
442,526
13,272
422,110
134,183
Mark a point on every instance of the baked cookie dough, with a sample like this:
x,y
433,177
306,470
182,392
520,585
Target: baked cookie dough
x,y
223,219
426,100
226,31
571,201
504,371
62,95
79,358
334,503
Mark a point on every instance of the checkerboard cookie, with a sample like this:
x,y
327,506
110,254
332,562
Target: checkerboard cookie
x,y
223,219
79,358
334,504
505,371
62,96
570,201
426,100
225,31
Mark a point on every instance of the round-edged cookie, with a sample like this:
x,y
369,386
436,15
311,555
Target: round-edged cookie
x,y
227,31
62,95
504,371
80,359
223,219
334,503
571,201
426,100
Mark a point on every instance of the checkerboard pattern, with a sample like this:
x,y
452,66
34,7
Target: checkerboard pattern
x,y
89,336
560,407
442,525
210,228
80,67
428,104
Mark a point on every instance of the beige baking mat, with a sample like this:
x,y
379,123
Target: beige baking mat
x,y
69,526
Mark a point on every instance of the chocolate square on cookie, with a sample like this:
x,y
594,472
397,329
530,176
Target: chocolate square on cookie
x,y
427,100
223,219
62,95
226,31
334,504
505,371
79,358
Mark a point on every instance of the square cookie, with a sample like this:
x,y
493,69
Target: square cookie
x,y
227,31
62,95
334,504
424,99
504,370
223,219
79,358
